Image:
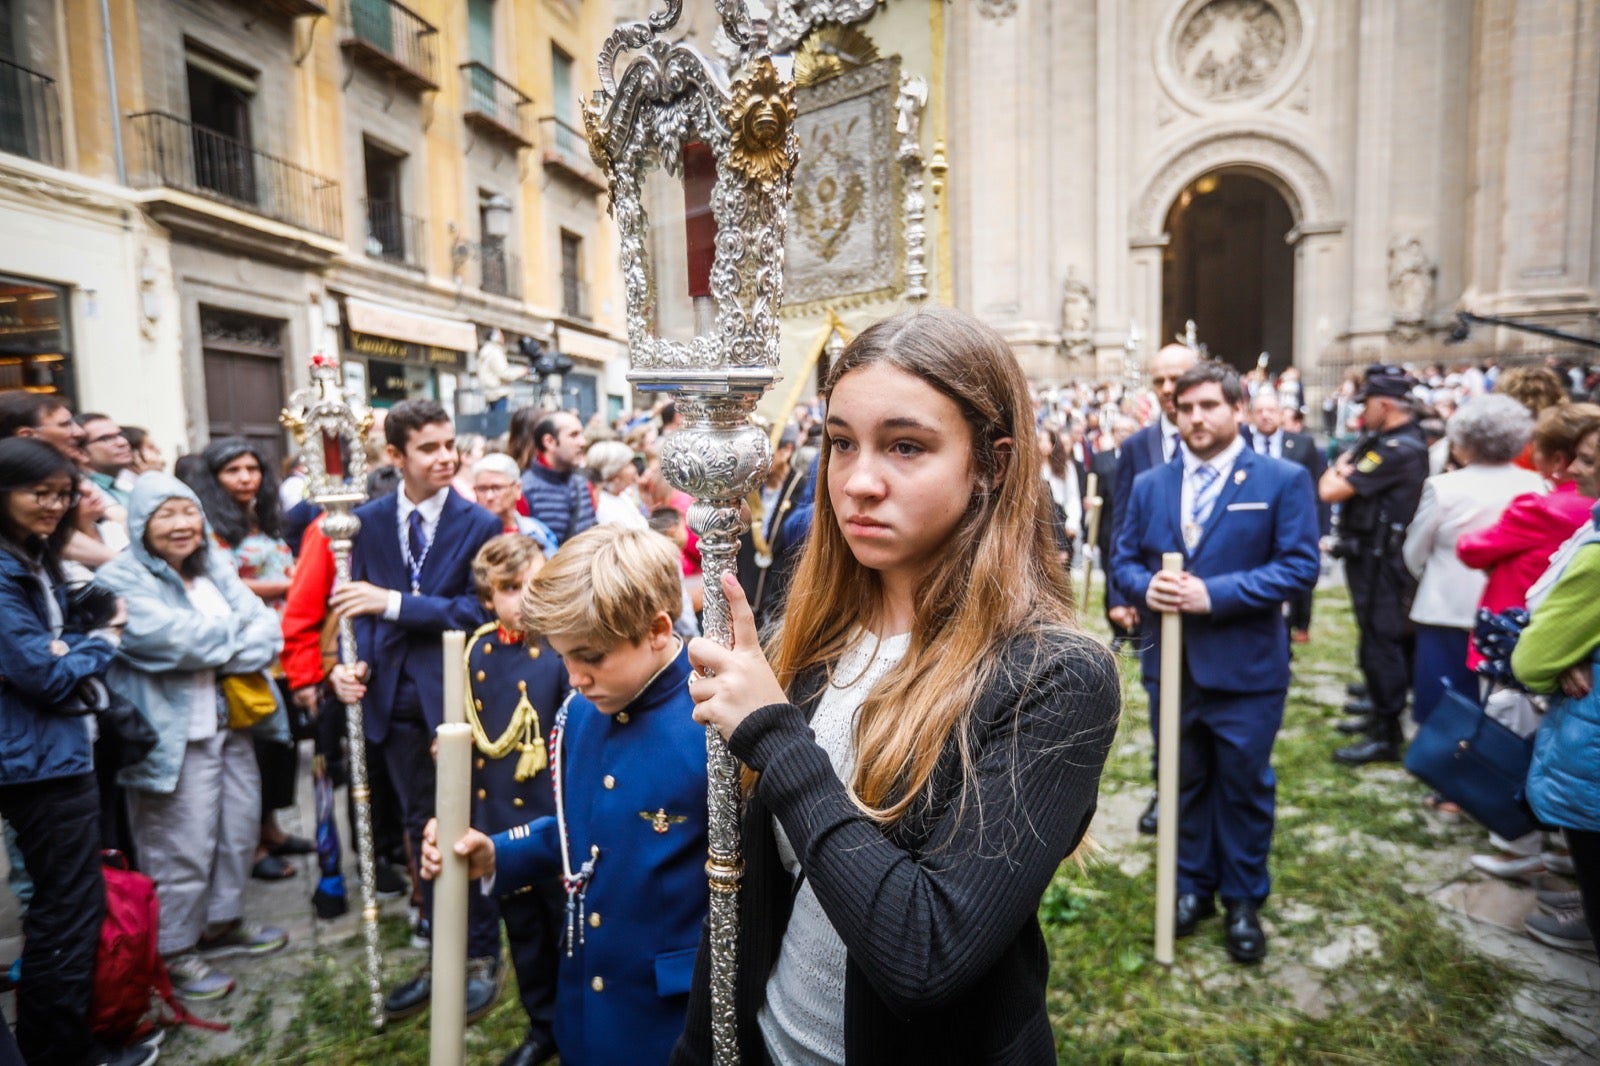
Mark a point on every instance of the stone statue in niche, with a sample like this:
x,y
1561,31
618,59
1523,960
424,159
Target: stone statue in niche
x,y
1411,280
1077,318
1230,49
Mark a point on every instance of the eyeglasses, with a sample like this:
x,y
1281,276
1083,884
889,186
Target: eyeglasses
x,y
490,490
54,498
106,437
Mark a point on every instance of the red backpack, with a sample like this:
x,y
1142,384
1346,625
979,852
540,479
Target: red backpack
x,y
127,968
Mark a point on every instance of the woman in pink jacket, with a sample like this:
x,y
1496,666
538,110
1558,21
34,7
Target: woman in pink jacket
x,y
1515,552
1517,548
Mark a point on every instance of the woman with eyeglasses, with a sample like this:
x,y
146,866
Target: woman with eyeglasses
x,y
497,486
48,792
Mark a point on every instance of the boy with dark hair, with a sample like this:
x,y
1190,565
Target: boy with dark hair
x,y
411,571
515,683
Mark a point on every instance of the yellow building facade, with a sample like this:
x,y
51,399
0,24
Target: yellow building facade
x,y
199,194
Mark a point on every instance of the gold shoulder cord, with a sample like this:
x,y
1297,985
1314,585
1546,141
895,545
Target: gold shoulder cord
x,y
521,733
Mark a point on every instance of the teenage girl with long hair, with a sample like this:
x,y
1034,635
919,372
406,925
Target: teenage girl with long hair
x,y
926,746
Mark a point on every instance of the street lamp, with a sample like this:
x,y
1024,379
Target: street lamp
x,y
496,214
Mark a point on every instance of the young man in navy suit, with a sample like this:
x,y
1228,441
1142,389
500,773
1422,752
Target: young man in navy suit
x,y
411,572
1247,525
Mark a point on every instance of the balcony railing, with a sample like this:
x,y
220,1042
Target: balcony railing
x,y
500,272
575,297
566,150
494,105
180,155
393,236
30,114
391,38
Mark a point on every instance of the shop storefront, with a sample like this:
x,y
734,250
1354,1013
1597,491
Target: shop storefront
x,y
35,337
392,355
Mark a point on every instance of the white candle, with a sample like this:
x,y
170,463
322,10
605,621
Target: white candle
x,y
452,805
1167,772
455,676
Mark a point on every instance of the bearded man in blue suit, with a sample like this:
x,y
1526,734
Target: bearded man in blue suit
x,y
411,571
1247,526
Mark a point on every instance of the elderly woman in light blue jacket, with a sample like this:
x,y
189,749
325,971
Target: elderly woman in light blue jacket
x,y
195,803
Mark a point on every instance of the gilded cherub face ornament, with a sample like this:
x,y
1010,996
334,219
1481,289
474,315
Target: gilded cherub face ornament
x,y
760,116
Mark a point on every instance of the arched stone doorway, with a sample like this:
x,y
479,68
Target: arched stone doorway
x,y
1229,265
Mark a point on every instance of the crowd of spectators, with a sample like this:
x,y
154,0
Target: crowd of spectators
x,y
203,560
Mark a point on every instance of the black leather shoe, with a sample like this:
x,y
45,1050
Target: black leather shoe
x,y
410,998
1359,708
1370,750
1358,726
1242,935
532,1052
485,978
1355,690
1147,820
1190,909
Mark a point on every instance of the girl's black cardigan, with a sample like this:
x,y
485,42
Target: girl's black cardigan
x,y
946,961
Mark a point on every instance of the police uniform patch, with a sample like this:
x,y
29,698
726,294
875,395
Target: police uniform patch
x,y
1369,462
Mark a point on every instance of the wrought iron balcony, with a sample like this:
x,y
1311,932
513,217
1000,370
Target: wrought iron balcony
x,y
566,151
494,105
30,114
389,37
500,272
393,236
177,154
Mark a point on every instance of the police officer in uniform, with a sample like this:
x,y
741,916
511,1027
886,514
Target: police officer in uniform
x,y
1378,484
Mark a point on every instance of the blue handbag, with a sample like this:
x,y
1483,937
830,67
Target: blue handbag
x,y
1475,762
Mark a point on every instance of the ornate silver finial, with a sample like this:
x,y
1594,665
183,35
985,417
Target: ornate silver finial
x,y
734,145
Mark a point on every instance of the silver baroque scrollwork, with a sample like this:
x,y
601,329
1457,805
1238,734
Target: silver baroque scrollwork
x,y
792,19
668,97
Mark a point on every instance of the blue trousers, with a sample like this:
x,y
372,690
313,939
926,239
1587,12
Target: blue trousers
x,y
1227,792
1441,657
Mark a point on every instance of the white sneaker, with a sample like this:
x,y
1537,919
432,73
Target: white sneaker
x,y
1520,868
193,979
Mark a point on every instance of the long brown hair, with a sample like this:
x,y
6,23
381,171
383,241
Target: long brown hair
x,y
997,577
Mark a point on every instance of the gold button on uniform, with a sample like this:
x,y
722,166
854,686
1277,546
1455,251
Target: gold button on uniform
x,y
622,717
594,919
487,647
516,801
533,653
483,793
609,781
482,675
598,984
482,763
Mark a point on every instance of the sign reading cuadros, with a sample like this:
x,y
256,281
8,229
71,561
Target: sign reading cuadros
x,y
428,331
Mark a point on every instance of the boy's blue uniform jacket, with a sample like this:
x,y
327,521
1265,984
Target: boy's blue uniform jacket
x,y
409,646
634,787
501,673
